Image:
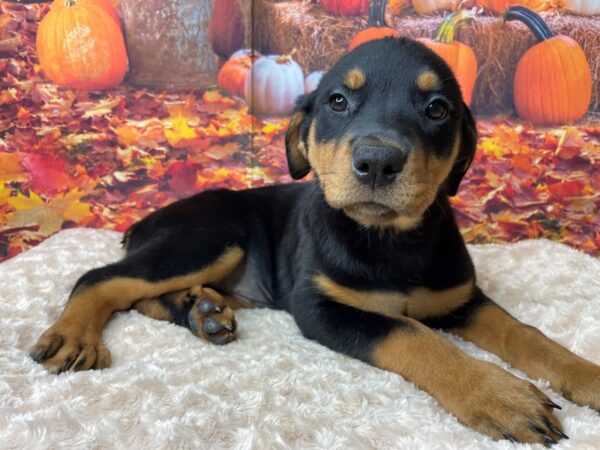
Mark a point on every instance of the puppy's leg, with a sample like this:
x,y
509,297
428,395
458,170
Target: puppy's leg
x,y
74,341
206,312
527,349
480,394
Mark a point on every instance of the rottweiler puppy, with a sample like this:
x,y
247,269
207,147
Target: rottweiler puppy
x,y
367,257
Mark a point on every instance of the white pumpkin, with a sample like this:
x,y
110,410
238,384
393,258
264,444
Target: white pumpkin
x,y
582,7
431,6
274,84
312,81
244,52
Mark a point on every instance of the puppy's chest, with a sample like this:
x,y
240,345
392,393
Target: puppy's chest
x,y
419,302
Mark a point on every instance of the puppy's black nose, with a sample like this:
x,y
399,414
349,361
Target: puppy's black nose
x,y
377,165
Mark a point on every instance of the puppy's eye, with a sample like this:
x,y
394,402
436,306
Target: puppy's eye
x,y
338,103
436,110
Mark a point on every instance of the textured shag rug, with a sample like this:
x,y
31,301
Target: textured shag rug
x,y
271,388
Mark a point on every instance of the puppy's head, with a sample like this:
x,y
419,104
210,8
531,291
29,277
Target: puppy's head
x,y
385,132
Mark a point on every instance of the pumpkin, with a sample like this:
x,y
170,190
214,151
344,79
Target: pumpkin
x,y
395,7
80,46
312,80
499,6
346,7
110,8
582,7
376,27
460,57
233,74
226,29
553,81
245,52
274,84
431,6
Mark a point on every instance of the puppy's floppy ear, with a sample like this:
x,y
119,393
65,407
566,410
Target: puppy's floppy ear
x,y
468,145
296,147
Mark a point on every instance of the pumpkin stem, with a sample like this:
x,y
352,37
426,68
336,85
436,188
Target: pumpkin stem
x,y
533,21
377,14
447,29
70,3
286,59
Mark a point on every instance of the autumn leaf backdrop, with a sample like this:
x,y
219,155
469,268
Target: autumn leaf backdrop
x,y
106,158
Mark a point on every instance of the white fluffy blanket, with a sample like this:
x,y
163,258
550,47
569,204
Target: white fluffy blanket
x,y
271,388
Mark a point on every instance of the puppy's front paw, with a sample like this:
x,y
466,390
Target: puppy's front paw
x,y
63,348
581,384
210,317
503,406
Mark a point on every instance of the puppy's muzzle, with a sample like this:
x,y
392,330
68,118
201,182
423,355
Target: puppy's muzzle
x,y
377,165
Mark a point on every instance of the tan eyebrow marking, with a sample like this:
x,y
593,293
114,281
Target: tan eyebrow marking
x,y
428,81
355,79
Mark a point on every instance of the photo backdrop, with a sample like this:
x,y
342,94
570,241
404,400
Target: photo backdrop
x,y
140,102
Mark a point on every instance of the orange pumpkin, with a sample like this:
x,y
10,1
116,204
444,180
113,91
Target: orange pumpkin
x,y
458,56
395,7
499,6
80,46
431,6
233,74
553,81
346,7
110,8
376,26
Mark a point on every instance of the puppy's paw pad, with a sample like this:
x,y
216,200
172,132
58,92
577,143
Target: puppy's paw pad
x,y
213,322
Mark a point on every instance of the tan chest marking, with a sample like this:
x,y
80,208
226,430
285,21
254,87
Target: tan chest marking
x,y
419,303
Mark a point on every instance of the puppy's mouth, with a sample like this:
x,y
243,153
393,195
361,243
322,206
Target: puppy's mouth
x,y
376,211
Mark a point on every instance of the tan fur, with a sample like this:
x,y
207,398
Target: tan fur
x,y
79,328
419,303
355,79
480,394
527,349
408,198
428,81
294,142
152,307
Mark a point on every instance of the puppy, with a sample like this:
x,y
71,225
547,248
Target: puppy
x,y
367,257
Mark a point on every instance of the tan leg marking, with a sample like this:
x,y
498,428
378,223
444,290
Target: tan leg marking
x,y
420,303
480,394
527,349
79,328
152,307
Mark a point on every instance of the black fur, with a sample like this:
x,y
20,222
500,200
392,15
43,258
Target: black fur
x,y
290,233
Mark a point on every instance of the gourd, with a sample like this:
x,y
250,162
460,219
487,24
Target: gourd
x,y
376,27
582,7
233,74
460,57
80,45
431,6
274,84
553,81
312,81
346,7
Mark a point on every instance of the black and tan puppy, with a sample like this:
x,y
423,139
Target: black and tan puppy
x,y
367,257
